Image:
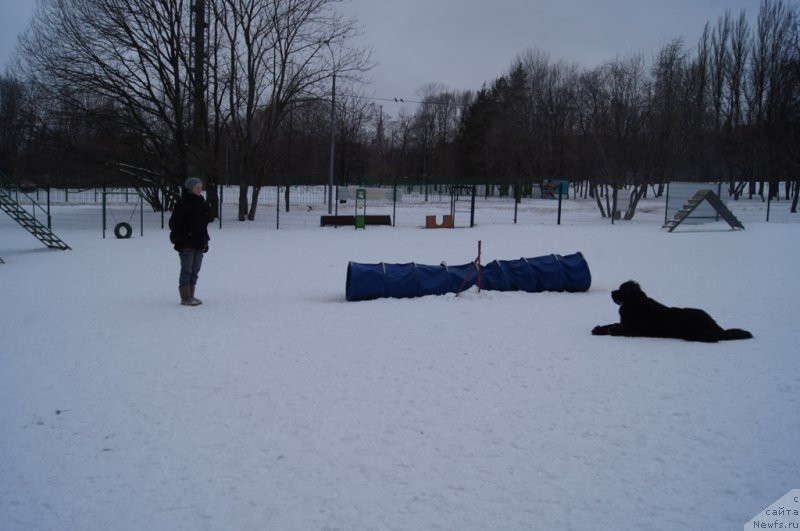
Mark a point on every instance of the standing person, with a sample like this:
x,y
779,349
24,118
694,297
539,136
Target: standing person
x,y
188,227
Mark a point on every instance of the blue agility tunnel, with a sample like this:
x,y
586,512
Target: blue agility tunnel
x,y
542,273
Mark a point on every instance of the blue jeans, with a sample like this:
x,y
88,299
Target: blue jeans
x,y
191,260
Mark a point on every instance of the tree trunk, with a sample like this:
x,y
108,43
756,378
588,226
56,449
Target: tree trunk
x,y
286,197
659,192
739,190
796,192
596,194
243,199
254,202
636,195
213,198
774,190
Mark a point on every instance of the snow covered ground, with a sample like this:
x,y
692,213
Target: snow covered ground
x,y
279,405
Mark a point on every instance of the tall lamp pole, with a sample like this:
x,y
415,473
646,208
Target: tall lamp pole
x,y
333,142
333,131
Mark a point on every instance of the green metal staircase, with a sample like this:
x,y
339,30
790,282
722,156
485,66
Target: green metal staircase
x,y
10,194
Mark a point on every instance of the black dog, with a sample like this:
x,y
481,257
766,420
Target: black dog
x,y
642,316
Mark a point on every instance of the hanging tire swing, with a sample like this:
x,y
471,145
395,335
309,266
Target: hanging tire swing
x,y
123,230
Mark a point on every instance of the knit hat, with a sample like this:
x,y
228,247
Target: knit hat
x,y
191,182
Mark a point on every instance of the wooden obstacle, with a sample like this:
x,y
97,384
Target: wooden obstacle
x,y
694,202
447,222
340,221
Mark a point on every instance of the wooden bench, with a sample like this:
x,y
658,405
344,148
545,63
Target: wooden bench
x,y
343,221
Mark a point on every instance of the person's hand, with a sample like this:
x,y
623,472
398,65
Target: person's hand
x,y
205,249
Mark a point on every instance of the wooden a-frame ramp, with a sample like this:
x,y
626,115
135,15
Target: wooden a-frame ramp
x,y
694,202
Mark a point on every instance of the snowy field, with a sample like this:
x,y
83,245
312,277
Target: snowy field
x,y
277,405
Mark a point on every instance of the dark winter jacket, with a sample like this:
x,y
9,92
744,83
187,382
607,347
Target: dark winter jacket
x,y
188,224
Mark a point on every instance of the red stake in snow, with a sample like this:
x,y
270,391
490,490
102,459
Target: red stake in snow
x,y
477,264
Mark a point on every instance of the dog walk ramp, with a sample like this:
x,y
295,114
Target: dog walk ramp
x,y
695,201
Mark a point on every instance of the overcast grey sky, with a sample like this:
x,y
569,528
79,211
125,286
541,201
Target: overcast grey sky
x,y
464,43
14,18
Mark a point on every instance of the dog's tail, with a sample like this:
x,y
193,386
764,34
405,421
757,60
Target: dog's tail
x,y
735,333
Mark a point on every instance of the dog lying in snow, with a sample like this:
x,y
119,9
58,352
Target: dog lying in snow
x,y
641,316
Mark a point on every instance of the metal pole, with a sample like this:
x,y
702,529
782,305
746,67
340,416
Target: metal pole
x,y
516,201
104,213
333,139
769,202
163,203
614,203
559,203
49,220
141,214
472,213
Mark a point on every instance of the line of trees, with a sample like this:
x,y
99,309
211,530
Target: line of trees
x,y
121,87
162,89
727,111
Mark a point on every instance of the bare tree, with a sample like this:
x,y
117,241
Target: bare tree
x,y
435,124
556,117
795,131
668,127
399,138
618,130
737,153
354,113
130,54
769,97
739,50
279,51
15,123
720,65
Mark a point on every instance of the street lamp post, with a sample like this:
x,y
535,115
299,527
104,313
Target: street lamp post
x,y
333,129
333,141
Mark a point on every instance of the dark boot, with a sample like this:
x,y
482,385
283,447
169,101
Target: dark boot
x,y
195,300
186,297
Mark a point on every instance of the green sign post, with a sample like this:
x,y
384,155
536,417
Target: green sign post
x,y
361,208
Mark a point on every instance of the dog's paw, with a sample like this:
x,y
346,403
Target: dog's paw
x,y
600,331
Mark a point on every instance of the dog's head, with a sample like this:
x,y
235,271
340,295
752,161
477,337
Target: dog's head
x,y
628,292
